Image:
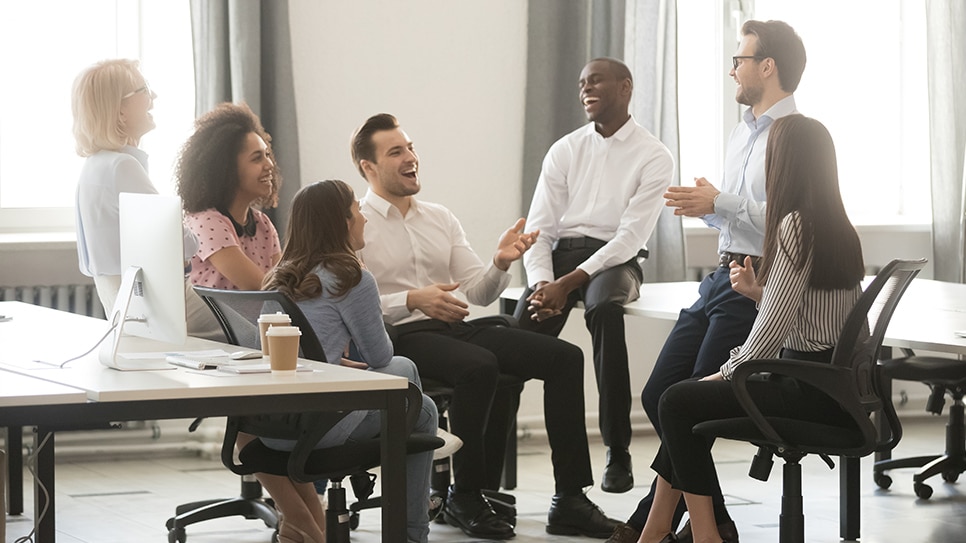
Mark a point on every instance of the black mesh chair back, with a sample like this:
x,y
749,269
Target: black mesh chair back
x,y
237,312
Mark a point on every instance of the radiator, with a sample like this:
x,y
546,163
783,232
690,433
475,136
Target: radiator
x,y
133,438
80,299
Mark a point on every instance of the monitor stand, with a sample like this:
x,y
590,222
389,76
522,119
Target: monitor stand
x,y
108,353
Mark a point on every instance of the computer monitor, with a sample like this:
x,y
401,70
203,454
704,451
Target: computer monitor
x,y
150,302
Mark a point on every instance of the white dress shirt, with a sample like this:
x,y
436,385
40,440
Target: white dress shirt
x,y
604,188
425,247
739,211
103,177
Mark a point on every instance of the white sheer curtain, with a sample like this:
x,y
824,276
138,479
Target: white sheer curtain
x,y
651,53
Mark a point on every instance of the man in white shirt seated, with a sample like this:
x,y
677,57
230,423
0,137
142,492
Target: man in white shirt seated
x,y
597,201
427,274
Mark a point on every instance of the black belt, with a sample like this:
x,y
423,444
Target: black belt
x,y
588,243
724,259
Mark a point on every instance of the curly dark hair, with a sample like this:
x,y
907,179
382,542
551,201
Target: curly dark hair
x,y
207,169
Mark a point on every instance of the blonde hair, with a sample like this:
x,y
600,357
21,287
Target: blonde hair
x,y
96,104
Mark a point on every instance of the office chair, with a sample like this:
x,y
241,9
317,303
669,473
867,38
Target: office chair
x,y
943,376
237,312
851,379
306,464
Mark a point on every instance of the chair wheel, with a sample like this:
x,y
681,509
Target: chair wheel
x,y
883,480
924,491
177,535
950,476
353,520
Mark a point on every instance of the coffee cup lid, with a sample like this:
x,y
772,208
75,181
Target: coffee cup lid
x,y
284,331
274,317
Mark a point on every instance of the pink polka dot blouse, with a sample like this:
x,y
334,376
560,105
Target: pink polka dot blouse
x,y
215,232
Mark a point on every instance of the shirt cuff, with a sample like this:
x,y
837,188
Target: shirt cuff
x,y
394,306
726,205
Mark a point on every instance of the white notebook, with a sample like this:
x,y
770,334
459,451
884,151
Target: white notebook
x,y
261,367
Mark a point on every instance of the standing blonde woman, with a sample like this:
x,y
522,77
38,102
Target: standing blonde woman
x,y
111,104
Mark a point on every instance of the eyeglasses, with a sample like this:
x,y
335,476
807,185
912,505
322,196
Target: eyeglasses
x,y
145,89
734,60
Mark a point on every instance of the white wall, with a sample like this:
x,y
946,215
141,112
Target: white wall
x,y
454,75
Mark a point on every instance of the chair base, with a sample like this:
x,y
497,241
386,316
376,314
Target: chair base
x,y
950,465
250,505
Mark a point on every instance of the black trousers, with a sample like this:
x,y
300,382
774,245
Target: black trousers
x,y
604,297
699,343
469,358
684,458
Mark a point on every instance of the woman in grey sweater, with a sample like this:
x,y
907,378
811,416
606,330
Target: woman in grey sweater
x,y
320,271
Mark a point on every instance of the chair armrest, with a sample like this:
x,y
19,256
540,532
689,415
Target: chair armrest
x,y
832,380
496,320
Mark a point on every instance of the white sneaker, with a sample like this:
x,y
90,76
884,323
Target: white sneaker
x,y
451,444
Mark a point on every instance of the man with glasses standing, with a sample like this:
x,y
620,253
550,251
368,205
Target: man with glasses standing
x,y
767,69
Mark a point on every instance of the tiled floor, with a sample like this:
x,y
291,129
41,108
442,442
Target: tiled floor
x,y
129,499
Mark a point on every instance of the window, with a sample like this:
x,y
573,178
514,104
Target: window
x,y
865,81
48,43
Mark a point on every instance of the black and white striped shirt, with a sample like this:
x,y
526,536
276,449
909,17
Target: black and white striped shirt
x,y
791,313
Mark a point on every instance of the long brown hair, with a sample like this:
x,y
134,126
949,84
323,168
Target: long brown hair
x,y
801,175
317,234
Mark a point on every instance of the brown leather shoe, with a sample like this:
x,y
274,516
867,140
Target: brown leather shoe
x,y
624,533
727,530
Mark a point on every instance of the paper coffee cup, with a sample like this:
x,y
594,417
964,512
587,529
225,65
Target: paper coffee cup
x,y
268,320
283,349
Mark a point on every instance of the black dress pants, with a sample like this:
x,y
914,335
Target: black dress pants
x,y
699,343
684,459
469,359
604,297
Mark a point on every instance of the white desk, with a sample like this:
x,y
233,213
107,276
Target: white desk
x,y
110,395
658,300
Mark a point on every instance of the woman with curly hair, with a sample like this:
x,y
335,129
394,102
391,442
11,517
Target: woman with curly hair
x,y
225,172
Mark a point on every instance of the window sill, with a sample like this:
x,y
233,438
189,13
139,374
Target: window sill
x,y
38,241
697,227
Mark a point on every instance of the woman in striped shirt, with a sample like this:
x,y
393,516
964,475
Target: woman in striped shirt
x,y
808,281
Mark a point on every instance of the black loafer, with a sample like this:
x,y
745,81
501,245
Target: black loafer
x,y
575,514
727,530
618,475
470,512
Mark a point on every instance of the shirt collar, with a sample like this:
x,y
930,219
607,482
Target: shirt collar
x,y
382,206
622,133
778,110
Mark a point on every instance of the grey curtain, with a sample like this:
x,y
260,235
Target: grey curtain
x,y
243,53
563,35
946,58
651,54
